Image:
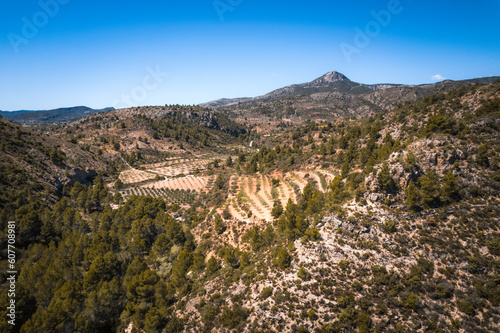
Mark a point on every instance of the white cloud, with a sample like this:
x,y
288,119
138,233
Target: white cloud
x,y
438,77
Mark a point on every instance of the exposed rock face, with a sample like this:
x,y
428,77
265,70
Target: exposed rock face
x,y
82,176
206,119
434,153
328,78
401,176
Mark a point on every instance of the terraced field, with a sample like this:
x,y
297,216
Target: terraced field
x,y
253,197
171,167
184,183
171,196
132,176
181,166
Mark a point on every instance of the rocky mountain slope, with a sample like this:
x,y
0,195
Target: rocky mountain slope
x,y
330,97
409,239
152,133
383,223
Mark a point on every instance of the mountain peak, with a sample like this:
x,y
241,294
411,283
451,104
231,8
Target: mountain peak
x,y
331,77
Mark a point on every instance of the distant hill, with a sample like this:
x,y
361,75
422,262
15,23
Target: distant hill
x,y
50,116
331,96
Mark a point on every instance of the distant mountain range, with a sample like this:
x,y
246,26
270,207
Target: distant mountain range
x,y
50,116
333,96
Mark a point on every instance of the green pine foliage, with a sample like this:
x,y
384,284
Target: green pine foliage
x,y
277,209
429,185
283,259
449,189
385,180
219,224
412,197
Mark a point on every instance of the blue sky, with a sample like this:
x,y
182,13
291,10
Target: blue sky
x,y
127,53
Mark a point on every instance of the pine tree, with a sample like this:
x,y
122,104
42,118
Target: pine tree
x,y
412,196
181,265
410,161
429,185
385,181
277,209
283,259
212,265
449,190
219,225
346,167
482,155
244,259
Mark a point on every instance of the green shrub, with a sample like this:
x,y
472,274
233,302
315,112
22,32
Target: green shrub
x,y
343,264
283,260
494,246
277,209
312,234
311,314
303,274
466,307
212,265
234,318
266,292
411,301
390,226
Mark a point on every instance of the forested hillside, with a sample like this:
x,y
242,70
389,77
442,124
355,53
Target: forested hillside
x,y
387,223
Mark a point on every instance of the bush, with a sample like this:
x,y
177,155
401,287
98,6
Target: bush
x,y
312,234
390,226
303,274
118,184
266,292
234,318
494,246
426,266
364,322
411,301
219,225
283,260
277,209
311,314
466,307
226,215
212,265
343,264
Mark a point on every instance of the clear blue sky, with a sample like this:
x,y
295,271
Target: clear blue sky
x,y
96,52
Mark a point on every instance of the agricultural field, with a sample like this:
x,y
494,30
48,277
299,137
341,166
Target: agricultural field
x,y
171,167
171,196
183,190
251,198
192,183
180,185
179,167
133,176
